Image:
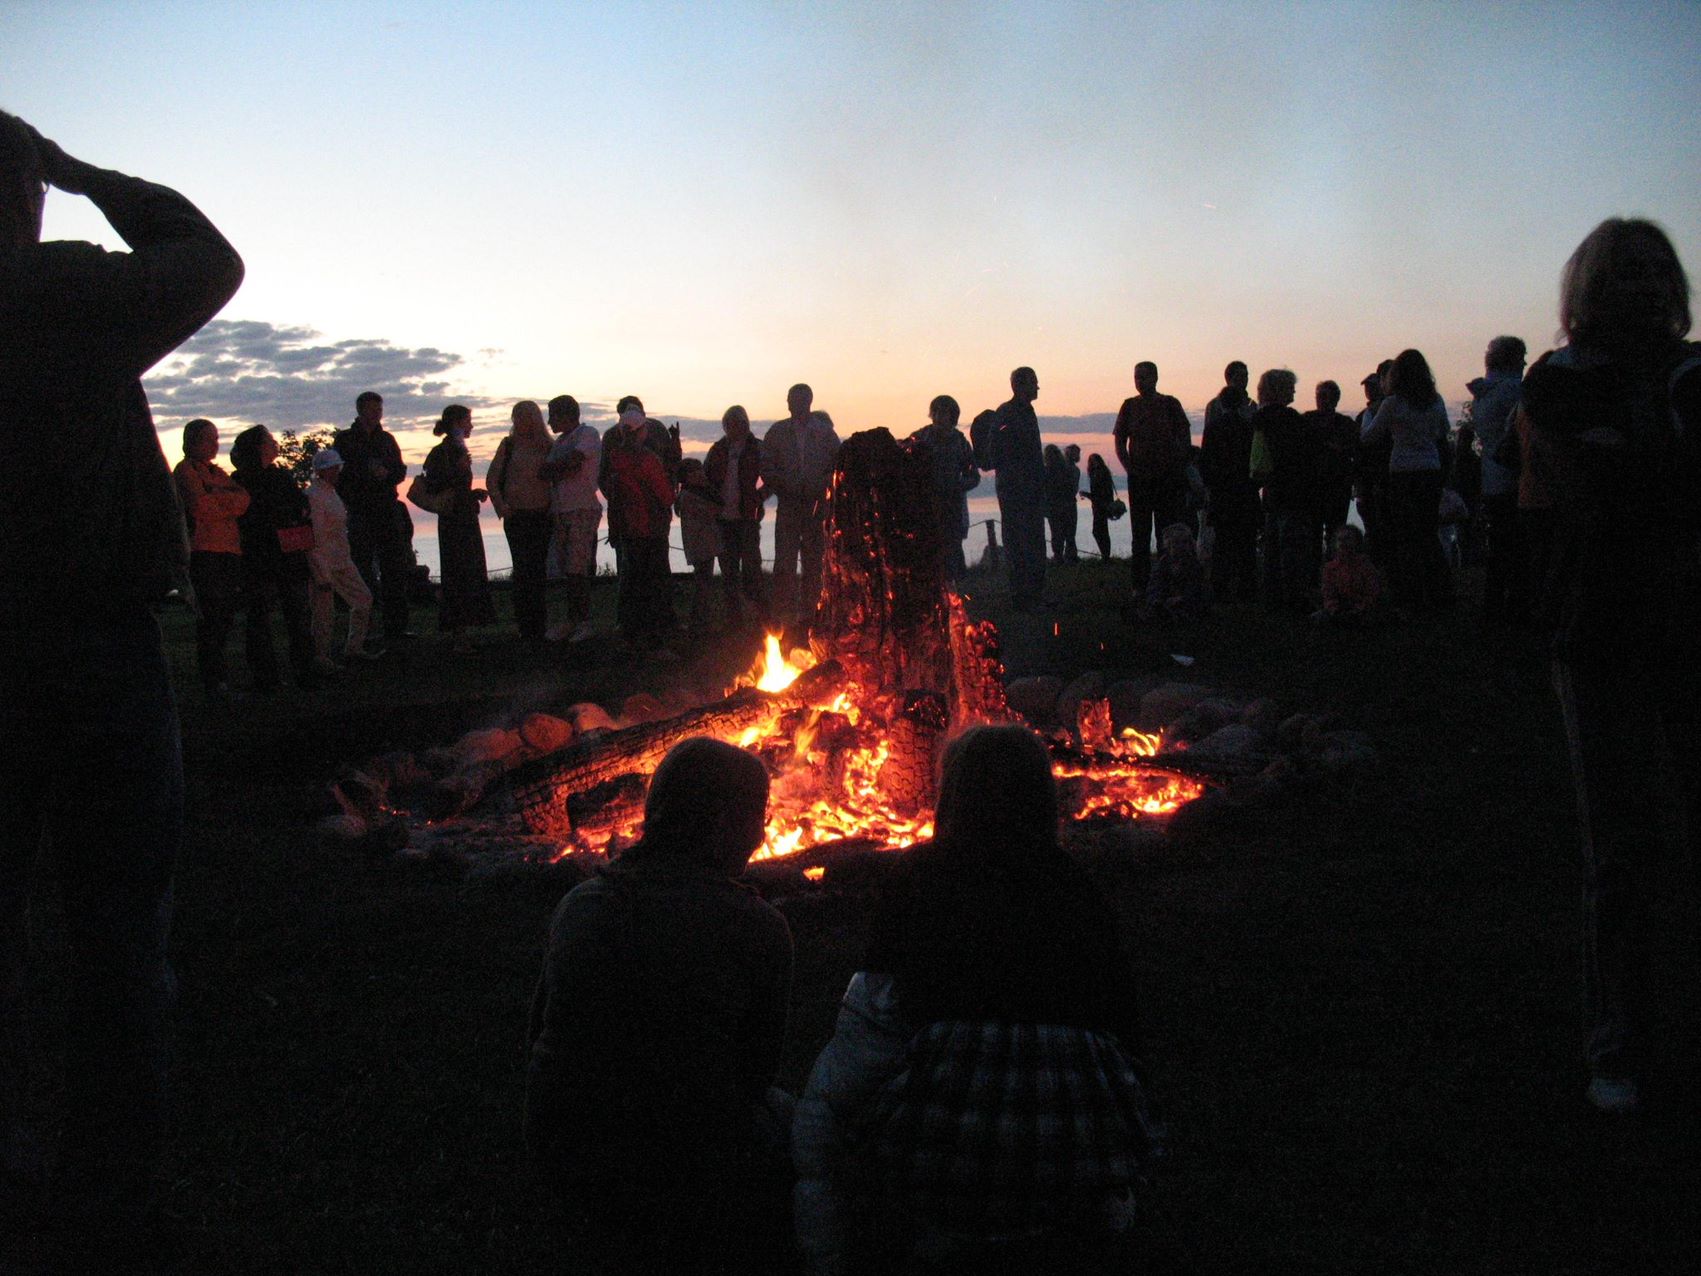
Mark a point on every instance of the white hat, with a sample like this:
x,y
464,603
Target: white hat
x,y
326,458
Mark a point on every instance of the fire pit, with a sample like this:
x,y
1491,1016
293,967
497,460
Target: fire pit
x,y
850,729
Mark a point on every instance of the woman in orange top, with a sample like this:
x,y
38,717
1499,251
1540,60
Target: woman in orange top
x,y
212,502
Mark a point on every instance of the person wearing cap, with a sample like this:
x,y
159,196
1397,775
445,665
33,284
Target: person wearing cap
x,y
212,502
331,565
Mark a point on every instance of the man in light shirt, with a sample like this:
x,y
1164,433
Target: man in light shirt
x,y
572,468
733,467
798,454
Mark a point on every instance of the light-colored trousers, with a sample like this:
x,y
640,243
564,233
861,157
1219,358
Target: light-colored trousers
x,y
799,538
329,582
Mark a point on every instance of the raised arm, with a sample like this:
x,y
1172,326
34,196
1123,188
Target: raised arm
x,y
179,273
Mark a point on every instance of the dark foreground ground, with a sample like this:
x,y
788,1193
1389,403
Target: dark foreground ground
x,y
1361,1006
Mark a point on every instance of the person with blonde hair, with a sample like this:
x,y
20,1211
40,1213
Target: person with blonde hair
x,y
1617,411
520,495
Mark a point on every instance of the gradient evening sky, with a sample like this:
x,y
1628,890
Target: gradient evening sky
x,y
704,203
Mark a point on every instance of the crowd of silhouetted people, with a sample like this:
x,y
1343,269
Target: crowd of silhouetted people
x,y
1258,509
981,1104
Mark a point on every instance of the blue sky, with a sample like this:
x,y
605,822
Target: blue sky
x,y
704,203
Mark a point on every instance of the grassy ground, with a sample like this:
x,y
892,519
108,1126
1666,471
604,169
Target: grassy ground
x,y
1361,1005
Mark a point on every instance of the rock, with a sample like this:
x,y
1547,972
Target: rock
x,y
438,761
1190,727
1163,705
1237,740
1036,699
641,707
1262,715
589,717
1089,686
1218,711
545,733
492,745
1202,719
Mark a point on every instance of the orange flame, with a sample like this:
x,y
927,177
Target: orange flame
x,y
827,790
773,672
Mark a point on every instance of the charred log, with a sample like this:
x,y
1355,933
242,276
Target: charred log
x,y
543,787
882,610
917,732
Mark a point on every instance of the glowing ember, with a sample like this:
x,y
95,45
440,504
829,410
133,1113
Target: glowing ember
x,y
1139,744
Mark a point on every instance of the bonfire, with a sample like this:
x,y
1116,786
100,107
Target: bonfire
x,y
850,728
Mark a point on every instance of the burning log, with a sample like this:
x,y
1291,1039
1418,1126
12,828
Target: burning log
x,y
883,611
589,776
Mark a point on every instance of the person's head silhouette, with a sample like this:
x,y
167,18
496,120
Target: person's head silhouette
x,y
798,401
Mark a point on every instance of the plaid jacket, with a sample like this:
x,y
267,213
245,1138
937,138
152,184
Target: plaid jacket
x,y
997,1127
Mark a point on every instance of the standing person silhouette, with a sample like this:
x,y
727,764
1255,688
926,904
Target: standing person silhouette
x,y
212,502
1412,421
1494,398
377,536
798,454
1012,450
1618,410
1152,439
1225,459
91,745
